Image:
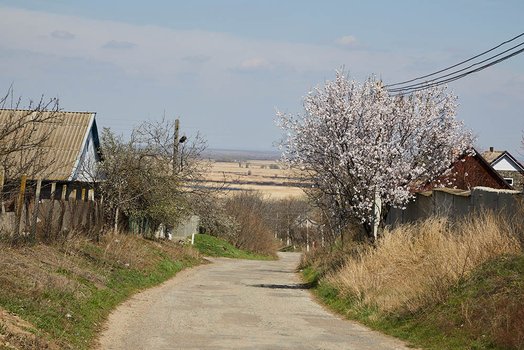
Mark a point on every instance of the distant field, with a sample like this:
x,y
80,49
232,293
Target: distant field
x,y
267,176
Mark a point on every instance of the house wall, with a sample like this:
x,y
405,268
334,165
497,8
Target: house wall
x,y
518,178
505,164
86,168
469,172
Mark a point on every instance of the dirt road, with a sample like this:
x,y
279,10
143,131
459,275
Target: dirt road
x,y
235,304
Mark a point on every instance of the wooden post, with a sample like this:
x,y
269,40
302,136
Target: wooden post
x,y
64,192
83,194
175,147
53,190
72,210
2,175
49,218
35,209
20,204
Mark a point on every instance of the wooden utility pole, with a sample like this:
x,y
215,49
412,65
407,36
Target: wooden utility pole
x,y
175,146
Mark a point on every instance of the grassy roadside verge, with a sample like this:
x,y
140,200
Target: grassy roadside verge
x,y
485,310
57,296
212,246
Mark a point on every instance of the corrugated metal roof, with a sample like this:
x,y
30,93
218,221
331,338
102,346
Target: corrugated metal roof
x,y
66,134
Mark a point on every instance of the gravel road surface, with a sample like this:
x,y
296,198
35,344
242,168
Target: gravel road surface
x,y
235,304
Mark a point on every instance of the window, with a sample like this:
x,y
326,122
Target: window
x,y
509,180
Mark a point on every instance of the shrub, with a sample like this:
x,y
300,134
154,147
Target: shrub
x,y
252,213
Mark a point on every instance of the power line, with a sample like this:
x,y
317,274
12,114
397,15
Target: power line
x,y
440,80
422,87
460,73
460,63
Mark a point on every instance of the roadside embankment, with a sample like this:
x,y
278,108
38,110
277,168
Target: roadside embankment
x,y
56,296
435,284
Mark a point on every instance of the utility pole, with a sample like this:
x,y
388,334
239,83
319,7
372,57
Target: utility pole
x,y
175,146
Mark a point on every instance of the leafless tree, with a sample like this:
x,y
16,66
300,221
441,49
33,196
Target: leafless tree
x,y
157,138
25,138
22,139
137,176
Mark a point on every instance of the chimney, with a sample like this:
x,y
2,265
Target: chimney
x,y
491,149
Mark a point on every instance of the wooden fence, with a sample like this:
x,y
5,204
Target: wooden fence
x,y
49,210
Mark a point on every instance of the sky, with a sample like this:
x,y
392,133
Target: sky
x,y
224,67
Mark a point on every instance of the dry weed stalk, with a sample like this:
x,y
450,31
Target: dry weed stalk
x,y
414,265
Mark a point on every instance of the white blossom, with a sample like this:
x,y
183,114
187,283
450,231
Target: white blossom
x,y
355,140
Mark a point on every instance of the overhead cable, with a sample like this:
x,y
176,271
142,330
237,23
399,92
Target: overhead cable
x,y
460,73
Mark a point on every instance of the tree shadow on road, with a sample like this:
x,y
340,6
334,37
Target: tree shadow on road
x,y
284,286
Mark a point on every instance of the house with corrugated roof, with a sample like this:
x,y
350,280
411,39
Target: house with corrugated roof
x,y
66,151
507,166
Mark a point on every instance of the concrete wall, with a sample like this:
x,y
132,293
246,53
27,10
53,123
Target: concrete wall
x,y
187,227
456,204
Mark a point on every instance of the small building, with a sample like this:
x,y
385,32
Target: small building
x,y
470,170
65,150
507,166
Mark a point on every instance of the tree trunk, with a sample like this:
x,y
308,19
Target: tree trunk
x,y
117,212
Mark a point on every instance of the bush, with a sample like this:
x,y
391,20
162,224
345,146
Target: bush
x,y
252,214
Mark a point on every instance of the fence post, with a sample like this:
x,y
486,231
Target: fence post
x,y
64,192
49,218
2,175
35,208
20,204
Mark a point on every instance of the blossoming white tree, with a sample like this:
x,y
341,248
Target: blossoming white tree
x,y
361,147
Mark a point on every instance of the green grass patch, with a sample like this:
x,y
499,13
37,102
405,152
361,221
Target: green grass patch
x,y
212,246
77,296
483,311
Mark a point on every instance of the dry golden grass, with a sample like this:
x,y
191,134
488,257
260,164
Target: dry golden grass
x,y
268,177
44,282
414,265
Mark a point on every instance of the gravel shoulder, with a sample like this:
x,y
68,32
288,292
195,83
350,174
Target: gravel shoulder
x,y
235,304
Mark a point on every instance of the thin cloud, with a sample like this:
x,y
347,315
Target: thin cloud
x,y
348,40
119,45
62,35
254,64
